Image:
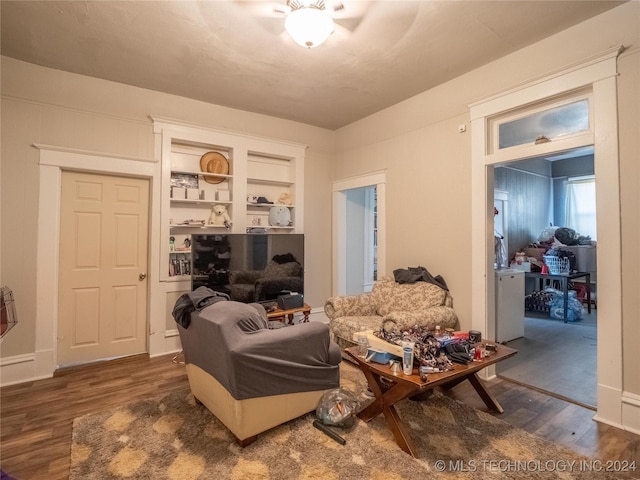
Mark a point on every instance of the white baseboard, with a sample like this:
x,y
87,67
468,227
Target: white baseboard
x,y
317,315
488,373
631,412
171,333
609,411
171,344
40,365
20,369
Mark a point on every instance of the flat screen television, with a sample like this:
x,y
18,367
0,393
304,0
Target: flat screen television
x,y
248,267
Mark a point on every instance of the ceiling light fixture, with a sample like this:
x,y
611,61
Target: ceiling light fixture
x,y
309,23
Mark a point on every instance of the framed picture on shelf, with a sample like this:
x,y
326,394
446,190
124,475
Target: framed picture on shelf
x,y
184,180
185,186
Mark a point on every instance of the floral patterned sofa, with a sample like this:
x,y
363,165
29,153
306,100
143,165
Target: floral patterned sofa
x,y
392,306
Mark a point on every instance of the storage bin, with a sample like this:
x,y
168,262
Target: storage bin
x,y
380,356
557,265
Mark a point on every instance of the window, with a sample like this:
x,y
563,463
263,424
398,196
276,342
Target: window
x,y
580,210
565,117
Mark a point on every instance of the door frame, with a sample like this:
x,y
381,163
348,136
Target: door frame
x,y
598,73
339,244
53,160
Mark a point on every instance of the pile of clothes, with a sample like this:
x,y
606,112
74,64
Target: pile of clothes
x,y
575,309
551,301
538,301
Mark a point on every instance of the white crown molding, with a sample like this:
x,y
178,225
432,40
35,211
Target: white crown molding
x,y
592,60
160,123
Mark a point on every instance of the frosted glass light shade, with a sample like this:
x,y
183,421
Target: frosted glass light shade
x,y
309,26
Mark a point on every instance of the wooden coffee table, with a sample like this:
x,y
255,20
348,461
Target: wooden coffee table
x,y
402,386
287,315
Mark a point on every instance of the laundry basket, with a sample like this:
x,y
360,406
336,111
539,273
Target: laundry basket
x,y
557,265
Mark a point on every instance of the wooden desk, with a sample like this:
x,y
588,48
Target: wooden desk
x,y
404,386
284,315
564,282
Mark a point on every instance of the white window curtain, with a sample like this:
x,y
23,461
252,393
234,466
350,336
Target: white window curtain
x,y
580,211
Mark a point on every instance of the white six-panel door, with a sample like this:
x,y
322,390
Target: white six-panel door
x,y
102,301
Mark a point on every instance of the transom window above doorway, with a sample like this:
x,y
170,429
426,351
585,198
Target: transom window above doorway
x,y
542,123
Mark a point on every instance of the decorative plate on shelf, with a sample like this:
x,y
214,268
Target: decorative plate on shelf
x,y
214,162
280,216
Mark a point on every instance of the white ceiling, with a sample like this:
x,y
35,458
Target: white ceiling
x,y
236,53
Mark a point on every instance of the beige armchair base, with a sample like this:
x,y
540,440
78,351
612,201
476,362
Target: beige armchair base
x,y
247,418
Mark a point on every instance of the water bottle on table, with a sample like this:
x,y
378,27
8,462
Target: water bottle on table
x,y
363,344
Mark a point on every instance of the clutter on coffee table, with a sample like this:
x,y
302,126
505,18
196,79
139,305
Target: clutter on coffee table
x,y
436,350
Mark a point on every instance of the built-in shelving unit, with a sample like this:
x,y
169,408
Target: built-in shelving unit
x,y
260,170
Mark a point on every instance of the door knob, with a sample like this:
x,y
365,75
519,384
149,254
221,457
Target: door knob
x,y
142,276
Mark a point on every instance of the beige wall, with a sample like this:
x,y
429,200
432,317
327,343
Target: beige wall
x,y
41,105
417,141
428,181
429,162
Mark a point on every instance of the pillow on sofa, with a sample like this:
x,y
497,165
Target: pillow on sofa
x,y
391,296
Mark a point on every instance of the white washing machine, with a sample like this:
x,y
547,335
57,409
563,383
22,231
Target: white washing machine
x,y
509,304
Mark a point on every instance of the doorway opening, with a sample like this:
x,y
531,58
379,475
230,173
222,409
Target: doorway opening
x,y
540,194
359,233
598,75
361,236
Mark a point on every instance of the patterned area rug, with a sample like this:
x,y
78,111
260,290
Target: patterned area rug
x,y
174,438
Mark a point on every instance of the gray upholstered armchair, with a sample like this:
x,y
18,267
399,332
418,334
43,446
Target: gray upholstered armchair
x,y
253,378
258,285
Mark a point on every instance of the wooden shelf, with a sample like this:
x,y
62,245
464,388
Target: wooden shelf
x,y
176,226
267,205
202,174
179,278
178,201
264,181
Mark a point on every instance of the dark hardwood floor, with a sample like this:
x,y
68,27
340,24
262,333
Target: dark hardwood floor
x,y
36,417
556,357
